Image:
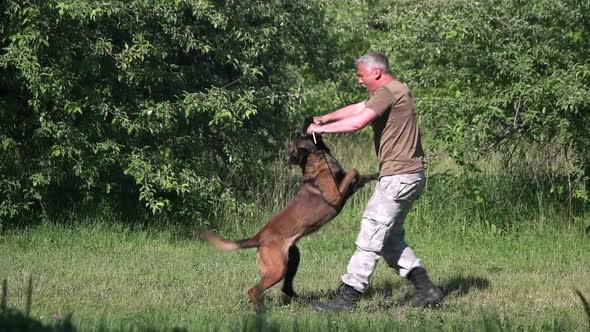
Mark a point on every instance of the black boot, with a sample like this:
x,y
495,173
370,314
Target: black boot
x,y
426,293
345,301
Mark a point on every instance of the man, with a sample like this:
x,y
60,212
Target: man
x,y
390,111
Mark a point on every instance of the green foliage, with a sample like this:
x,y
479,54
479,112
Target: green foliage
x,y
495,74
174,107
167,103
351,38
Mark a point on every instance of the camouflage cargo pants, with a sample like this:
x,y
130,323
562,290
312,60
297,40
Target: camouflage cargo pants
x,y
382,229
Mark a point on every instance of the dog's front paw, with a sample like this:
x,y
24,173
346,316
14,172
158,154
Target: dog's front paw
x,y
361,180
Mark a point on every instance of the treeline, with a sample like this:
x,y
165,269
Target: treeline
x,y
158,105
172,107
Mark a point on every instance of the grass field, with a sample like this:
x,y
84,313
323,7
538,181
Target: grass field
x,y
509,263
122,279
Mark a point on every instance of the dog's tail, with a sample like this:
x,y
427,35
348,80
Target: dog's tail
x,y
228,245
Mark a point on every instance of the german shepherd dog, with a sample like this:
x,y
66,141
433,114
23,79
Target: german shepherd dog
x,y
325,187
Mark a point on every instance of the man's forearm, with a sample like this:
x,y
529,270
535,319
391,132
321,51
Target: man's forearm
x,y
341,113
347,125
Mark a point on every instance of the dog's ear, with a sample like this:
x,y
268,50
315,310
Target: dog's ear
x,y
297,156
300,148
302,154
293,157
307,121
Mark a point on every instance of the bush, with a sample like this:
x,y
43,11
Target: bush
x,y
148,105
496,75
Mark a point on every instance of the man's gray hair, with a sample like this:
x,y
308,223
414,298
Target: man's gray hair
x,y
373,60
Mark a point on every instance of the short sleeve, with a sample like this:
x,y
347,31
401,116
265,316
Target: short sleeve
x,y
380,101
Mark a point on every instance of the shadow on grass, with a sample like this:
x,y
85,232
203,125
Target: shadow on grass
x,y
21,320
457,286
462,285
383,293
15,320
308,298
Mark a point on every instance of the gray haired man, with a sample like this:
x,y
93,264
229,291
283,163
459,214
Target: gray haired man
x,y
390,111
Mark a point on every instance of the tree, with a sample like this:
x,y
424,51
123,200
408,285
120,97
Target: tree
x,y
498,74
163,103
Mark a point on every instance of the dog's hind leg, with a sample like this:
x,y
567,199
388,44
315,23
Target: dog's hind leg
x,y
271,259
292,265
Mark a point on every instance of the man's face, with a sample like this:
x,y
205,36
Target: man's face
x,y
368,78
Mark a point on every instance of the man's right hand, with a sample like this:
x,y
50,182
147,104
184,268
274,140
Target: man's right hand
x,y
318,120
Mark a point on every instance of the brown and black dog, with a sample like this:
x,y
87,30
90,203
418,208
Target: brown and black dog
x,y
325,187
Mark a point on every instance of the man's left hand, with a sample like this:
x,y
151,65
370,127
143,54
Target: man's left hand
x,y
314,128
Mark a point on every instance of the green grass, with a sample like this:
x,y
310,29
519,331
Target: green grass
x,y
120,278
501,245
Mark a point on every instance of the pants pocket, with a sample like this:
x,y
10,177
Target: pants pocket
x,y
409,190
371,235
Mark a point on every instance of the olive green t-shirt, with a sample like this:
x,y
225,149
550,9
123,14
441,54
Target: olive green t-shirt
x,y
396,132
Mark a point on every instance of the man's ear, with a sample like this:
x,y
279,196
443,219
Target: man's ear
x,y
377,73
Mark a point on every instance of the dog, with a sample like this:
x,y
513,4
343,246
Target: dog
x,y
325,187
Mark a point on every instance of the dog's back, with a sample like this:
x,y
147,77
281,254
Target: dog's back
x,y
307,212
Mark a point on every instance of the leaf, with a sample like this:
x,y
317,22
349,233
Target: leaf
x,y
55,151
